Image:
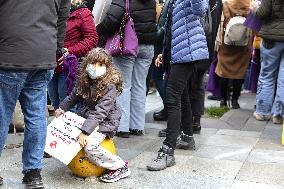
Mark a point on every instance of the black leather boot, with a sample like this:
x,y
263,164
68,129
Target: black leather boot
x,y
161,115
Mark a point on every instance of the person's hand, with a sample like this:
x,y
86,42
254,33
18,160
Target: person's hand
x,y
159,60
60,60
254,5
83,139
58,113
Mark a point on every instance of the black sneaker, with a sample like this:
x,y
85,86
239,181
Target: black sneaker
x,y
1,181
113,176
136,132
46,155
185,142
162,133
122,134
33,179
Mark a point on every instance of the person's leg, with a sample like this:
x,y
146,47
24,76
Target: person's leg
x,y
270,61
52,90
11,83
149,77
33,103
179,75
62,88
118,169
237,87
224,82
197,98
125,66
278,105
138,89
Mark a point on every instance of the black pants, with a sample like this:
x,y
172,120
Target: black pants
x,y
177,89
225,88
197,93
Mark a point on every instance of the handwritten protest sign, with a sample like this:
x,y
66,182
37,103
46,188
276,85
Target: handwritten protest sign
x,y
61,138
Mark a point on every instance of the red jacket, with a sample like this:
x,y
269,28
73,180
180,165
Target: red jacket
x,y
81,35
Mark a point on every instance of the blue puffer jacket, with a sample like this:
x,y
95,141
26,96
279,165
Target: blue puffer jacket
x,y
188,37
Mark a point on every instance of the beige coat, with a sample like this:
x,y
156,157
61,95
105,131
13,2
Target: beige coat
x,y
233,61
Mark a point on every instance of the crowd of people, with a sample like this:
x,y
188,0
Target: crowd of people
x,y
56,46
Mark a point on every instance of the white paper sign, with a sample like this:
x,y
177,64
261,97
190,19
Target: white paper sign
x,y
61,137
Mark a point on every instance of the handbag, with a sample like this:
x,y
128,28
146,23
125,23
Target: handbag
x,y
124,42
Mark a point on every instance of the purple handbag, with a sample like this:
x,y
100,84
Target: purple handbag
x,y
125,41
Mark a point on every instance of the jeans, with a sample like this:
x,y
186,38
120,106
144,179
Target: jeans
x,y
29,87
57,89
180,75
132,100
157,74
271,76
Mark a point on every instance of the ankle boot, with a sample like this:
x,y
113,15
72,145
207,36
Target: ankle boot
x,y
164,159
161,115
223,103
196,124
185,142
235,104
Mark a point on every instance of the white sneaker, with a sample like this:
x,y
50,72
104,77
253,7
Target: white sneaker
x,y
259,117
277,119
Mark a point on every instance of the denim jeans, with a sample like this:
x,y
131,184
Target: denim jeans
x,y
29,87
157,75
57,89
134,71
180,75
271,76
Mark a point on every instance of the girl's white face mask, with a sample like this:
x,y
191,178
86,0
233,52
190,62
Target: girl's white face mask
x,y
95,71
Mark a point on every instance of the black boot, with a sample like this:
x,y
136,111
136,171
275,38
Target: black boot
x,y
162,133
235,104
223,103
161,115
196,124
185,142
33,179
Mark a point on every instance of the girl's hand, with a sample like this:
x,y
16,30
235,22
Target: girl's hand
x,y
159,60
58,113
83,140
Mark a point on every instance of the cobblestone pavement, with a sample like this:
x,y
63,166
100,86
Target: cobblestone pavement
x,y
234,152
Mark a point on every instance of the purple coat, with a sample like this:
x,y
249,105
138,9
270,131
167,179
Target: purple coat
x,y
104,113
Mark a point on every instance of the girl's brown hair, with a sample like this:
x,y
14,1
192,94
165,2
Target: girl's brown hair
x,y
112,76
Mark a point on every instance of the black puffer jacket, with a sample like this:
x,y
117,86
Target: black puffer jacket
x,y
143,13
272,14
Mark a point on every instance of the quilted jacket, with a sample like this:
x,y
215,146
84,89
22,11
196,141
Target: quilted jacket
x,y
271,12
188,37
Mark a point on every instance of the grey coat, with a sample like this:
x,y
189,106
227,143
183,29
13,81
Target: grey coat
x,y
272,14
30,32
104,113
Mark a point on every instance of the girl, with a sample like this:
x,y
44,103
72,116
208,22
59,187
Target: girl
x,y
97,87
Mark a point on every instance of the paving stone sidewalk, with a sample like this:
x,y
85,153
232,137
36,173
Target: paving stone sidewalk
x,y
234,152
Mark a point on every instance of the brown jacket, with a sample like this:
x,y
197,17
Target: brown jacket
x,y
232,60
104,113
